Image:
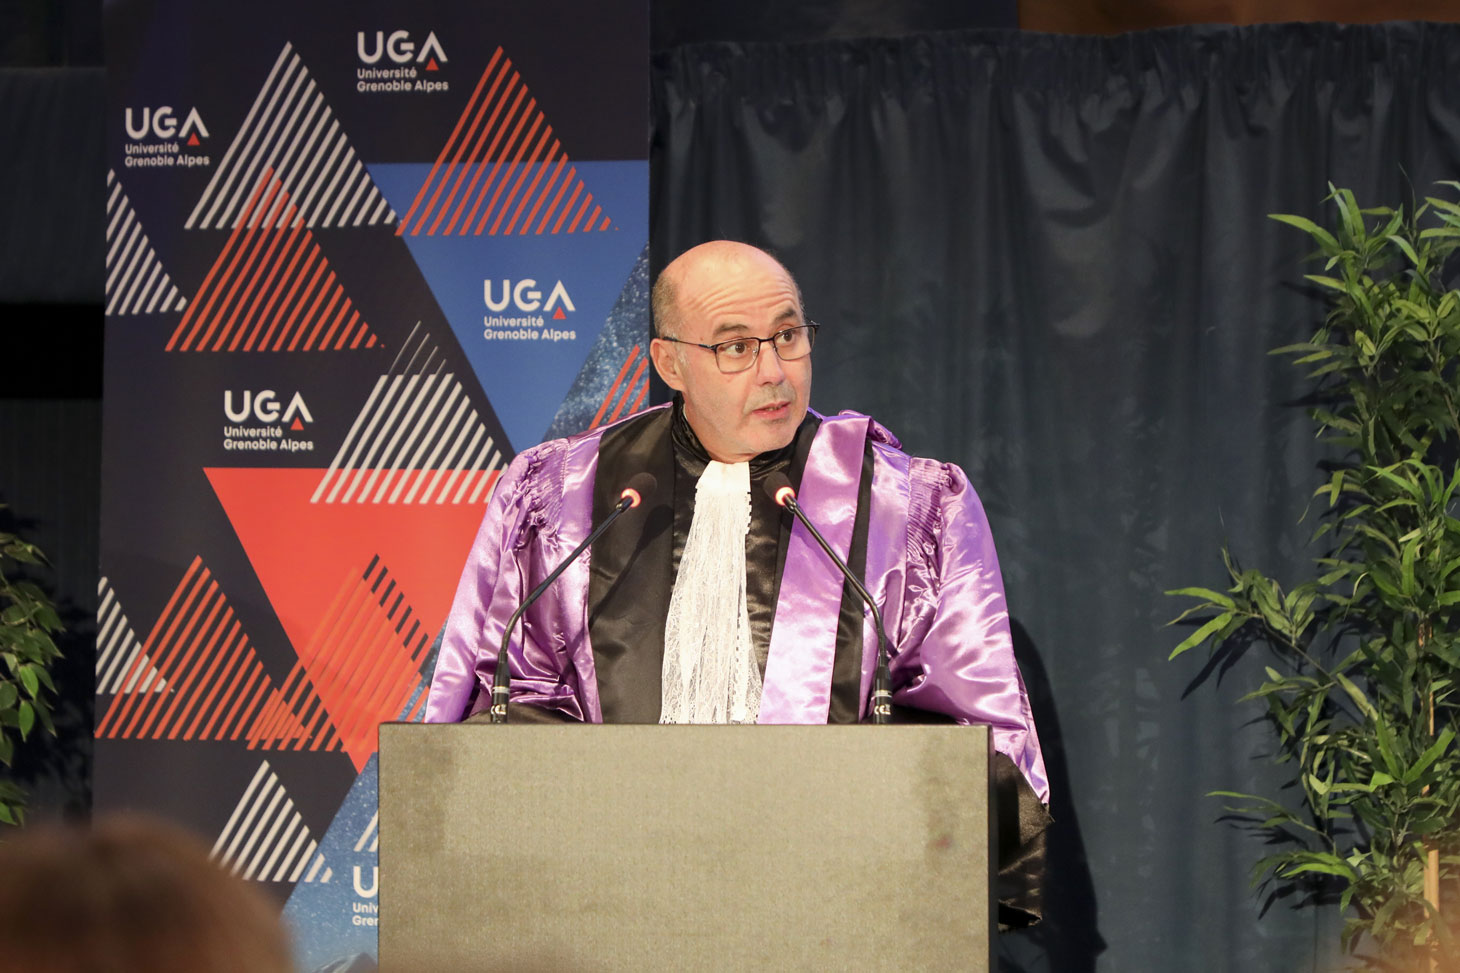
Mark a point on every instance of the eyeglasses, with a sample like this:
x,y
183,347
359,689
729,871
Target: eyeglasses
x,y
738,354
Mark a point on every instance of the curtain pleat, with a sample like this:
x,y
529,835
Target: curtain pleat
x,y
1049,259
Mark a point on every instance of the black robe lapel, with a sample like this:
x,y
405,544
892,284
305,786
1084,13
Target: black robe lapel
x,y
632,570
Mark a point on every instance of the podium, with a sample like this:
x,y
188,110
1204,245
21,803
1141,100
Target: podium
x,y
632,847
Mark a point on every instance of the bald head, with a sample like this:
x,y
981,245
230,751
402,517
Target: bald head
x,y
699,270
736,297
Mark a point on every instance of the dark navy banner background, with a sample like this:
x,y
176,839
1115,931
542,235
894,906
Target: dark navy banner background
x,y
358,255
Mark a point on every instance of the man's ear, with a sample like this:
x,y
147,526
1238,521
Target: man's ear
x,y
667,363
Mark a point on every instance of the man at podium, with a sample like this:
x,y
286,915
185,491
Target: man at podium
x,y
706,602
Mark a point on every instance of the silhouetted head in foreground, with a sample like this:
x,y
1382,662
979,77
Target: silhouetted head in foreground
x,y
130,894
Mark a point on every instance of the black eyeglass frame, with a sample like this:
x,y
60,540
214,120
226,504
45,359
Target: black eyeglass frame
x,y
811,328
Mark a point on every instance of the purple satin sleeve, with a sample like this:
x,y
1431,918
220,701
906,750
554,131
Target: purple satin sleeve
x,y
955,654
491,574
527,529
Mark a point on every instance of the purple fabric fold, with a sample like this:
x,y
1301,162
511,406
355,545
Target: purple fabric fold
x,y
955,653
886,553
541,508
798,671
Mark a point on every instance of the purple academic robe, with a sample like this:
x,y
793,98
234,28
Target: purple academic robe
x,y
930,565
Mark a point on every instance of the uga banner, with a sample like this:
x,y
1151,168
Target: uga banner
x,y
357,256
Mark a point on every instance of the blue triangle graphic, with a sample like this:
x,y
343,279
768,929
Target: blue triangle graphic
x,y
333,921
497,292
627,327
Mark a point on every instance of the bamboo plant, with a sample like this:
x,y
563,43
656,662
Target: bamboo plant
x,y
1364,658
28,621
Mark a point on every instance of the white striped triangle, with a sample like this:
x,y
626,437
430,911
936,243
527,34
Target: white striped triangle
x,y
266,838
135,280
121,665
370,837
417,439
291,129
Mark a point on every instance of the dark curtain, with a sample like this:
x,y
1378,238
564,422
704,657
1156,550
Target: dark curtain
x,y
1048,259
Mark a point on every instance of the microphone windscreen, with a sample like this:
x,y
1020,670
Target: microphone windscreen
x,y
778,486
641,485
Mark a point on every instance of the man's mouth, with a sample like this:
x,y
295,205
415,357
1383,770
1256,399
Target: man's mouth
x,y
775,410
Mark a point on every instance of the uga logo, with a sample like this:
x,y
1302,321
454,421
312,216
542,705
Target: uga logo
x,y
264,406
399,47
162,123
525,296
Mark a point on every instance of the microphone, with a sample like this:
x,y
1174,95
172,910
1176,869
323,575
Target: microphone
x,y
640,485
778,486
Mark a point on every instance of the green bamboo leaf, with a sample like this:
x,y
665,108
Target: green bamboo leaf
x,y
1368,530
1415,331
1422,312
1406,565
1264,801
1331,283
27,718
1339,789
1403,244
1324,238
1326,369
1348,211
1201,634
1361,701
1442,742
1448,303
1340,868
1410,487
1215,597
1385,741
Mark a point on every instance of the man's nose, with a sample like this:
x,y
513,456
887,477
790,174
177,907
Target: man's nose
x,y
770,368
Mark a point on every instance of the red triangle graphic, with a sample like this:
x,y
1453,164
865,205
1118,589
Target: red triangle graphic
x,y
198,651
296,425
506,172
432,66
558,315
301,551
277,726
193,139
270,288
